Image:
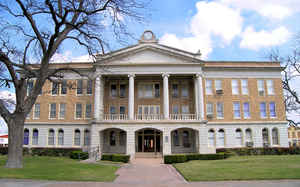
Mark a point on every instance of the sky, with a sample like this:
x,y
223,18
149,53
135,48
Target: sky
x,y
220,29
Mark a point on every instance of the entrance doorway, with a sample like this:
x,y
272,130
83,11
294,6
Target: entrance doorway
x,y
148,140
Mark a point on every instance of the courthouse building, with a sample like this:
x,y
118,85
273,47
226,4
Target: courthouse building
x,y
153,99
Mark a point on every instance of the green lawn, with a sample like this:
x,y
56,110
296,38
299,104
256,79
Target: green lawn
x,y
242,168
58,168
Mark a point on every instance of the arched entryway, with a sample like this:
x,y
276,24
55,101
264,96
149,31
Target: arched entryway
x,y
113,140
184,140
148,140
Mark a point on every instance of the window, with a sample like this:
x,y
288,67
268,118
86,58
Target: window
x,y
220,110
186,139
52,110
77,137
86,139
272,109
261,87
148,90
122,110
51,137
175,138
236,110
263,113
157,90
60,137
184,90
275,139
113,90
185,109
218,84
55,87
235,87
265,137
270,87
79,87
246,110
26,137
175,109
211,138
112,110
122,90
78,114
88,110
175,92
64,87
208,87
209,108
62,110
89,87
37,111
122,138
239,137
29,86
148,111
245,87
35,137
112,138
248,135
221,138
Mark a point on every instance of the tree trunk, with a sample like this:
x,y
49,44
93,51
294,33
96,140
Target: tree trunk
x,y
15,142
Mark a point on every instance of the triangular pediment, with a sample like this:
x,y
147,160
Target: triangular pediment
x,y
147,54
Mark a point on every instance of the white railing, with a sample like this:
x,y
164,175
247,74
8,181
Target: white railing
x,y
184,117
115,117
149,117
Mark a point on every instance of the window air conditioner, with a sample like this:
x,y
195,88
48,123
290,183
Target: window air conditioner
x,y
209,116
249,144
219,92
261,93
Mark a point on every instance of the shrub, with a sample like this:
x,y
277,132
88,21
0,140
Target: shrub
x,y
261,151
116,157
169,159
106,157
3,150
79,155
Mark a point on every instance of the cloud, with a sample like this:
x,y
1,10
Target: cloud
x,y
10,99
211,19
68,56
272,9
256,40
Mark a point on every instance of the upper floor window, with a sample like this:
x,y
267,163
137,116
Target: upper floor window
x,y
218,84
79,87
272,109
263,111
64,87
175,109
185,109
244,86
62,110
261,87
209,108
220,110
235,87
55,88
122,110
122,90
208,87
88,110
157,90
29,86
148,111
270,87
89,87
246,110
78,110
149,90
37,108
236,110
184,90
52,110
112,110
175,91
113,90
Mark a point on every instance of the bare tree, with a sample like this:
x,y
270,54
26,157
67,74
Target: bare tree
x,y
290,82
34,30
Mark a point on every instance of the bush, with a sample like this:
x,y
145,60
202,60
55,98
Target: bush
x,y
79,155
39,151
169,159
261,151
116,157
3,150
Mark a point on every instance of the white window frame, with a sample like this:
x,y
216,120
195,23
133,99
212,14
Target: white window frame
x,y
52,138
234,109
211,138
35,111
276,138
244,84
208,87
60,139
221,139
50,111
208,112
82,85
239,137
244,111
85,115
218,84
265,111
261,87
59,114
87,87
61,87
270,87
76,138
274,110
142,90
235,87
52,88
220,110
183,87
76,111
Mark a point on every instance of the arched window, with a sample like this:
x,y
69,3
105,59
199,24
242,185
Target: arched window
x,y
265,137
35,137
175,138
86,140
26,137
51,137
239,137
122,138
60,137
275,139
186,139
211,138
112,138
77,137
248,135
221,138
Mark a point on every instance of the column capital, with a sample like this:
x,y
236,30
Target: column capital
x,y
165,75
131,75
199,75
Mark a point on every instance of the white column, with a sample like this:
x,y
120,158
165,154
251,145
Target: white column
x,y
131,97
130,143
196,97
200,96
97,99
166,95
166,142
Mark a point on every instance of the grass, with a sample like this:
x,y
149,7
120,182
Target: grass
x,y
59,169
242,168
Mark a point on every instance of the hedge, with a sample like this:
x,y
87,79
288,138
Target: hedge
x,y
261,151
116,157
79,155
39,151
180,158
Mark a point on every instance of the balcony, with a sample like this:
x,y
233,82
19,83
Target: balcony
x,y
151,117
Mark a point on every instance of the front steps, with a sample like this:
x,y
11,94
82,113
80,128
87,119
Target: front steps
x,y
148,155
